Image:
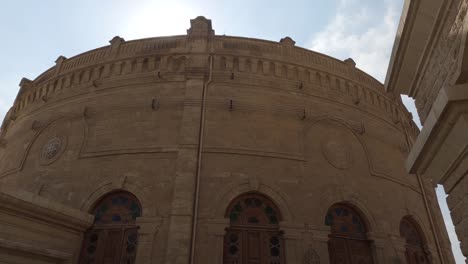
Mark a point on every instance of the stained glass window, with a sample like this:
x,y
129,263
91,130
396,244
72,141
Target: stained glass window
x,y
345,220
113,238
253,208
118,208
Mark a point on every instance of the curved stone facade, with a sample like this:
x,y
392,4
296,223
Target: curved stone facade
x,y
188,123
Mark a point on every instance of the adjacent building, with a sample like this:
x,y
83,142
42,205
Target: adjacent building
x,y
430,64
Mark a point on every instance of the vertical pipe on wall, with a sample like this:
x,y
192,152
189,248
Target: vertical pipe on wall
x,y
199,161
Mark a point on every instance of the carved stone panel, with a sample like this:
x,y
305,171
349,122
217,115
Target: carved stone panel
x,y
337,153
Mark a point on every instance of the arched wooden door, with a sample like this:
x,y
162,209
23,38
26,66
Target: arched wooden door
x,y
347,242
114,235
253,236
414,253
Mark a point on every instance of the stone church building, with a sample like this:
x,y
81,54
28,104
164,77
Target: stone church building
x,y
210,149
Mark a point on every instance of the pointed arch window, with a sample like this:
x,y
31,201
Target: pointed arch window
x,y
253,235
113,238
347,240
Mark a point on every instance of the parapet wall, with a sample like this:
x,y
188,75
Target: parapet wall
x,y
171,55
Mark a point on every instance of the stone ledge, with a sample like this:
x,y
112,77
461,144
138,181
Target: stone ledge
x,y
30,249
448,107
26,204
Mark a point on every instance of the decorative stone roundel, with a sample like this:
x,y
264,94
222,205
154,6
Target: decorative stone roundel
x,y
337,153
52,149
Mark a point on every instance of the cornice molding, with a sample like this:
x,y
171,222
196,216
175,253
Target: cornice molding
x,y
421,21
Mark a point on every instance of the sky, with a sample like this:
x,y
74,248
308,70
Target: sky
x,y
34,33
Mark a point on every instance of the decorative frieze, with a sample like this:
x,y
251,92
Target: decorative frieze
x,y
442,68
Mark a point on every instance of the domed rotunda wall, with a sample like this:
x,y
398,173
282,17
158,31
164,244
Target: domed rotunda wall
x,y
228,148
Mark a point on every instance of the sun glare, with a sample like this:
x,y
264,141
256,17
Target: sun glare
x,y
159,18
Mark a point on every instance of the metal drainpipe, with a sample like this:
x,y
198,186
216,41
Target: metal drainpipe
x,y
431,220
199,162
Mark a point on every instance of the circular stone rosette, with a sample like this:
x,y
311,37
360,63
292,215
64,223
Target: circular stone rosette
x,y
53,149
337,153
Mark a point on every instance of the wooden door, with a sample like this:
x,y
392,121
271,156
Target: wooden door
x,y
112,246
360,251
338,251
349,251
253,247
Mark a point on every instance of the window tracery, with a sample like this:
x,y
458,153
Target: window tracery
x,y
253,234
347,242
113,238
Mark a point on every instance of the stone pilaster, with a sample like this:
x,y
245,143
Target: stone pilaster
x,y
216,232
292,237
148,229
184,194
180,228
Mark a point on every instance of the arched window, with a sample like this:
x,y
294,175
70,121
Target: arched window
x,y
114,235
414,252
347,241
253,235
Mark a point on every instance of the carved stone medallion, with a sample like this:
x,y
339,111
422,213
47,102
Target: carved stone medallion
x,y
337,153
52,150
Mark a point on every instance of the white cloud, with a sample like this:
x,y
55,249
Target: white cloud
x,y
344,36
